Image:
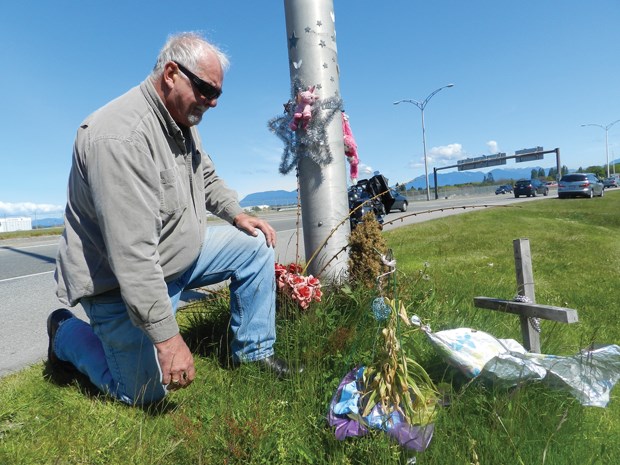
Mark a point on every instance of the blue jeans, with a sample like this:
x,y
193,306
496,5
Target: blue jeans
x,y
120,359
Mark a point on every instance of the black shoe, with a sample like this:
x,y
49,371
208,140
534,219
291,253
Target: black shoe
x,y
59,367
278,367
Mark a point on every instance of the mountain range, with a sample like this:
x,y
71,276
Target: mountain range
x,y
47,223
464,177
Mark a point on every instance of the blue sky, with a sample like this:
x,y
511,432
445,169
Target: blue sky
x,y
526,73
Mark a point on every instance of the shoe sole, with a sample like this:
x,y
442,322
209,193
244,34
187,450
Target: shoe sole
x,y
65,369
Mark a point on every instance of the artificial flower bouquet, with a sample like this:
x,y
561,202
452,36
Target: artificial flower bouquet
x,y
393,393
303,290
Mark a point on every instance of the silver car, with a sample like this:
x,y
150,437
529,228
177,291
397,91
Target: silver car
x,y
580,184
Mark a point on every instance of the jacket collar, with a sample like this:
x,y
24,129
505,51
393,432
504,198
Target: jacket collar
x,y
168,124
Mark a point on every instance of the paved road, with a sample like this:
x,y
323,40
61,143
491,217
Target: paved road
x,y
27,288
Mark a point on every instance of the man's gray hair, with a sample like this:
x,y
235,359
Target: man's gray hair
x,y
188,48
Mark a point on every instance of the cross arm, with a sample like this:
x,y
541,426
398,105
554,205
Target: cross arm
x,y
546,312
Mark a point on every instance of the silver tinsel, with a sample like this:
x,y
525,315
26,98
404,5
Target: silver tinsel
x,y
534,322
309,142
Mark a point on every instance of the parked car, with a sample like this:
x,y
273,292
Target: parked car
x,y
530,188
610,182
580,184
400,202
504,189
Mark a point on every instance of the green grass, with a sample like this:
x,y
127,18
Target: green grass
x,y
32,233
243,416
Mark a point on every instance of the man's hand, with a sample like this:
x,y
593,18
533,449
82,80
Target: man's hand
x,y
176,362
251,223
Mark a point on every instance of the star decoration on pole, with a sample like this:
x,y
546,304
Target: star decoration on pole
x,y
311,142
292,40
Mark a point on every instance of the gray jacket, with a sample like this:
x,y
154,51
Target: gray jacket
x,y
136,210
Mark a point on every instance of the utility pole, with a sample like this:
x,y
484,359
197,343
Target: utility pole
x,y
606,129
313,61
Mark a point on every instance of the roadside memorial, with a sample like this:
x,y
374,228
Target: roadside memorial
x,y
311,131
524,304
589,375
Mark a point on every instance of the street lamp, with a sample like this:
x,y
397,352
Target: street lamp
x,y
606,128
421,105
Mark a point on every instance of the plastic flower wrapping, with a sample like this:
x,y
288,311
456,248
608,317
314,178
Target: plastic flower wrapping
x,y
589,376
303,290
393,394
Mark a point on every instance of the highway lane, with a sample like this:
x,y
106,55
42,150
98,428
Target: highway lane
x,y
27,295
26,257
27,288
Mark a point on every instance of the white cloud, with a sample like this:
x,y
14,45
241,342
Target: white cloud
x,y
493,147
444,155
363,170
29,208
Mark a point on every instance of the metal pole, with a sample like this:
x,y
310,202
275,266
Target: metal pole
x,y
428,194
422,106
312,51
607,150
606,129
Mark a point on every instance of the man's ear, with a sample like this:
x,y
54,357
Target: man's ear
x,y
170,74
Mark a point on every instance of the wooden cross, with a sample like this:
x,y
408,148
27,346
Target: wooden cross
x,y
527,310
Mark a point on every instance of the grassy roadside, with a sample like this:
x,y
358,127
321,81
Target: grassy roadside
x,y
244,416
31,233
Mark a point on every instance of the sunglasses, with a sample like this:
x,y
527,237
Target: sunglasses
x,y
207,90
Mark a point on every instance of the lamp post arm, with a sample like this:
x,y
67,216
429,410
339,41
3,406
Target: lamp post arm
x,y
422,105
414,102
426,100
606,128
594,124
611,124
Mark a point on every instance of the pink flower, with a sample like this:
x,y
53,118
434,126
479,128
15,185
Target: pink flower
x,y
294,280
294,268
280,270
303,290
